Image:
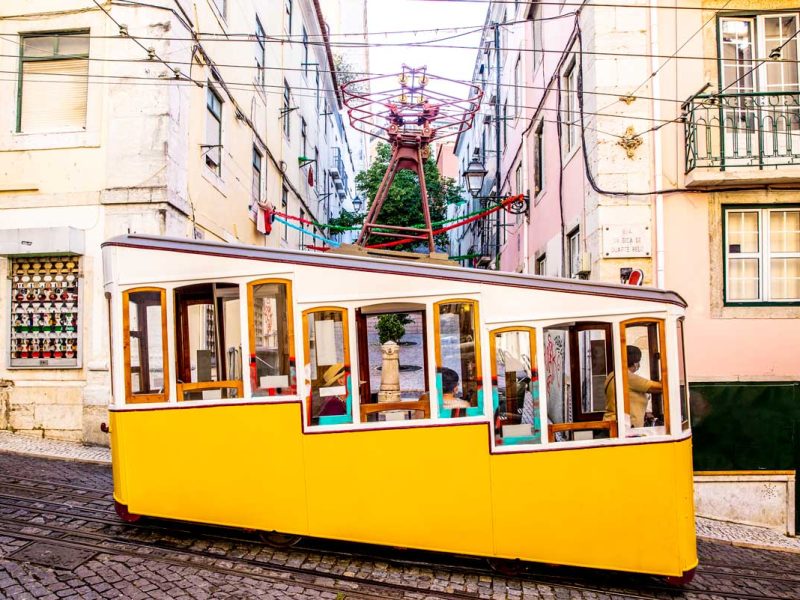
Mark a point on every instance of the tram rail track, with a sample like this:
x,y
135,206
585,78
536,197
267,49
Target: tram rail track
x,y
81,493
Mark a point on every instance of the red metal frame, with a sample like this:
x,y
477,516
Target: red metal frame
x,y
409,115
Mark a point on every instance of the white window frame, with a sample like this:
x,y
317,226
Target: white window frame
x,y
214,166
261,53
570,109
764,254
574,251
538,161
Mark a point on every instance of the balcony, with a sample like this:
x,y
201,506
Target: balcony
x,y
742,138
338,173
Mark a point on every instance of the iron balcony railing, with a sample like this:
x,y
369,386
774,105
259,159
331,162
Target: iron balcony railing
x,y
337,171
758,129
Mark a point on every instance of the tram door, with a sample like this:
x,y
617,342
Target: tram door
x,y
208,341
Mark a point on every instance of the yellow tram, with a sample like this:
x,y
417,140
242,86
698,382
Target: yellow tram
x,y
252,390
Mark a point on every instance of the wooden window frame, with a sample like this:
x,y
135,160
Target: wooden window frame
x,y
251,328
130,397
662,348
531,331
364,387
182,347
574,360
346,356
476,322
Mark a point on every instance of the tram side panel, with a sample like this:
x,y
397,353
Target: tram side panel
x,y
239,466
622,508
422,487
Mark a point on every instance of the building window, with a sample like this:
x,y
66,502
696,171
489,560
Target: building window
x,y
762,254
303,230
518,179
287,94
221,6
538,159
745,47
287,16
305,51
570,113
213,145
285,210
45,306
53,82
317,89
538,51
517,87
256,187
505,123
261,52
574,252
303,137
541,265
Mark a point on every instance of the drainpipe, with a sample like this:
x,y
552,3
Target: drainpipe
x,y
658,165
497,117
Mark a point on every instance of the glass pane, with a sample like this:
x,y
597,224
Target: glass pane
x,y
231,336
328,369
779,32
36,47
145,331
516,390
784,228
202,343
682,378
396,364
743,279
272,369
458,371
737,53
593,368
69,45
742,232
643,396
785,279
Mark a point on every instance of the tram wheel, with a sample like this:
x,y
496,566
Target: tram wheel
x,y
506,566
279,540
679,580
122,513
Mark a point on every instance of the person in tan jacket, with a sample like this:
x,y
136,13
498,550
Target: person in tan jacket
x,y
638,386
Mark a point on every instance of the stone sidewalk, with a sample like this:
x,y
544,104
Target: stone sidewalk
x,y
745,536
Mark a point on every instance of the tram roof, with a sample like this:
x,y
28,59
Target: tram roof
x,y
394,267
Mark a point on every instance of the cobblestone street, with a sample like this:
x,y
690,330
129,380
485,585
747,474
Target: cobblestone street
x,y
60,538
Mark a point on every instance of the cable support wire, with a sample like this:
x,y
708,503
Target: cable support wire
x,y
244,86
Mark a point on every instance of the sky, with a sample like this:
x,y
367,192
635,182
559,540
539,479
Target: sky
x,y
399,15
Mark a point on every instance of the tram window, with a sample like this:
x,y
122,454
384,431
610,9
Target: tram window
x,y
145,345
682,377
515,387
272,367
458,358
578,364
209,341
393,385
645,396
327,370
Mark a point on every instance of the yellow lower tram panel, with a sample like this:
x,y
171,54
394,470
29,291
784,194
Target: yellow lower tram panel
x,y
626,508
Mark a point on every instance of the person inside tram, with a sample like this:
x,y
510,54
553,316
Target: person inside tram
x,y
335,375
638,386
449,389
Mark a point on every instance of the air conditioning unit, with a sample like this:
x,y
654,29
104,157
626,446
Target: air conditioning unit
x,y
585,266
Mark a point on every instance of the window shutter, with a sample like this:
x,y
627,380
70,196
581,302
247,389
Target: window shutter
x,y
54,95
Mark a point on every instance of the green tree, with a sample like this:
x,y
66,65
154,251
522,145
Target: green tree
x,y
402,206
391,327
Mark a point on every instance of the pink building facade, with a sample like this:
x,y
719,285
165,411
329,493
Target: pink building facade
x,y
656,138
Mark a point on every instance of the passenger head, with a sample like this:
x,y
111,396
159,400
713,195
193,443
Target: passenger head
x,y
634,356
333,374
449,380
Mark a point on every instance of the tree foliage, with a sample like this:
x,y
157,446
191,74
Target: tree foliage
x,y
391,327
402,206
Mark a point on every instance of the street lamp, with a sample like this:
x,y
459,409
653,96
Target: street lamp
x,y
475,174
358,203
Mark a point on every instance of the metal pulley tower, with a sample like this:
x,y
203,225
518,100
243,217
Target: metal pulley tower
x,y
409,110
